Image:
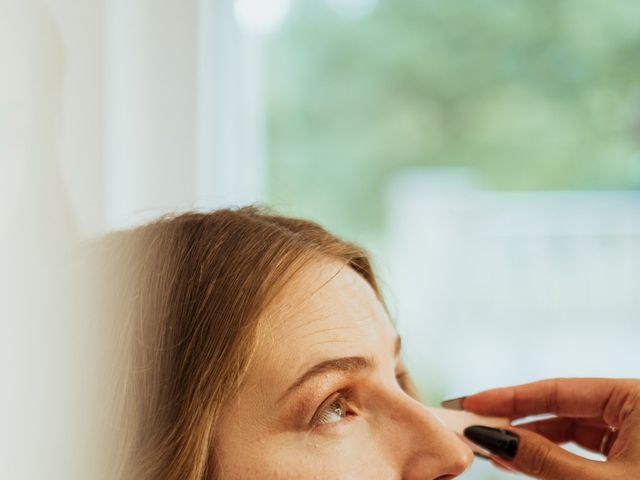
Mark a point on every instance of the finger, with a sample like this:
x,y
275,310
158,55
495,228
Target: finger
x,y
534,455
502,465
612,400
586,433
543,459
495,461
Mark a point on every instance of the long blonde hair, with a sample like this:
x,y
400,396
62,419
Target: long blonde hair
x,y
189,291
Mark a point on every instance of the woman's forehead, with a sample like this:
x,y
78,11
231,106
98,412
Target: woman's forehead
x,y
326,308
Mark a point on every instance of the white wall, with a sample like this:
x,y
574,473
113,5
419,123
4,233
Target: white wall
x,y
161,109
110,112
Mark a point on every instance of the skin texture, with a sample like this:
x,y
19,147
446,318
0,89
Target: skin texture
x,y
376,431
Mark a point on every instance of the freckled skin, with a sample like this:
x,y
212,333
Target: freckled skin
x,y
329,311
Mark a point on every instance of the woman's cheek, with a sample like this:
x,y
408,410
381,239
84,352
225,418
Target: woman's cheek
x,y
358,455
366,457
354,456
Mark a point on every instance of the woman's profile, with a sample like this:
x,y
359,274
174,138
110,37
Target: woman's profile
x,y
258,346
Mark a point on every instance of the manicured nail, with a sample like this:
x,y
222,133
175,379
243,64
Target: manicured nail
x,y
454,404
502,443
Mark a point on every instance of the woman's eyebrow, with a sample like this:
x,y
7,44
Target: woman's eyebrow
x,y
344,364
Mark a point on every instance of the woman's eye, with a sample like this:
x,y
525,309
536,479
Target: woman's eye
x,y
333,412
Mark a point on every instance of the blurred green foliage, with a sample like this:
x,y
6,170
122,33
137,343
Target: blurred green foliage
x,y
533,94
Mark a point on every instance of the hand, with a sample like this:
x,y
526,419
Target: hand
x,y
600,415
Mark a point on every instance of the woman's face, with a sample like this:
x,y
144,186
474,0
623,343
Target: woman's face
x,y
324,398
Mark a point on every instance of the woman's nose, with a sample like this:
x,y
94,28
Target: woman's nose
x,y
427,449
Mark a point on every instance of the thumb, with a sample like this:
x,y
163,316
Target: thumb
x,y
534,455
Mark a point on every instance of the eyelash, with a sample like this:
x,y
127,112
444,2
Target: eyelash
x,y
340,399
326,409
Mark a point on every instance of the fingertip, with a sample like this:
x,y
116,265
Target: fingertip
x,y
497,441
454,403
495,403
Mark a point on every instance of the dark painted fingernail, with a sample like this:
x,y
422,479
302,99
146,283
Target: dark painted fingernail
x,y
454,403
502,443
